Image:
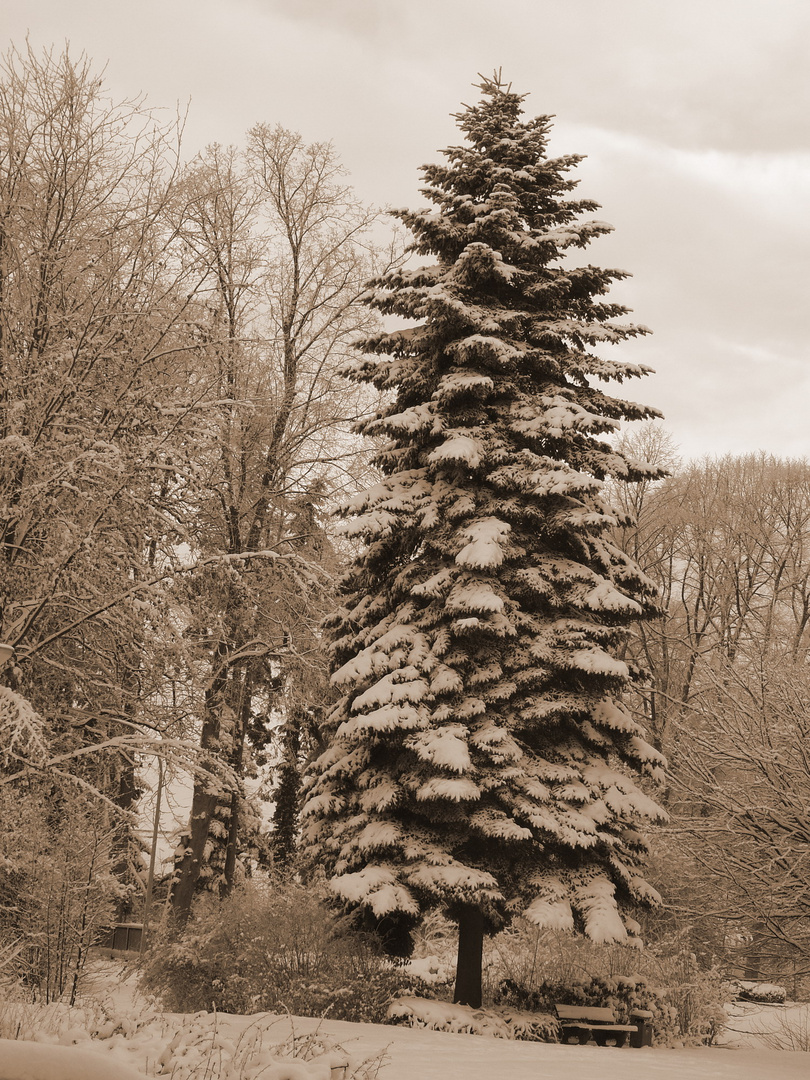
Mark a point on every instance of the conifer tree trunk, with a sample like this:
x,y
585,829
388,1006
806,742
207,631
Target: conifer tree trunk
x,y
470,955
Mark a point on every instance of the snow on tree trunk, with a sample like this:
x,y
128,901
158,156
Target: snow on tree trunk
x,y
480,755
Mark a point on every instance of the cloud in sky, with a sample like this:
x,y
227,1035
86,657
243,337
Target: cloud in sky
x,y
693,117
702,70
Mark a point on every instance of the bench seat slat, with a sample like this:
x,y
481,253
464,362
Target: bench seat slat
x,y
575,1025
581,1012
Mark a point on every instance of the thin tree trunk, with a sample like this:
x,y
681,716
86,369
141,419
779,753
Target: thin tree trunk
x,y
470,957
231,849
150,881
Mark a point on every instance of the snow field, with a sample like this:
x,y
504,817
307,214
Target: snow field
x,y
121,1036
202,1046
406,1054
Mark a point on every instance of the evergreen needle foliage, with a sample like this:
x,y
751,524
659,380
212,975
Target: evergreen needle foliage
x,y
480,758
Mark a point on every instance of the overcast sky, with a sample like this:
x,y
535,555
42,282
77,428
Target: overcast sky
x,y
694,116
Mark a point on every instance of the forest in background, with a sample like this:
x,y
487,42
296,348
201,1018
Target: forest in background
x,y
174,433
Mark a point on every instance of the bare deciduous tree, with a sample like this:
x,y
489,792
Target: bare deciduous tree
x,y
284,248
744,790
728,542
97,411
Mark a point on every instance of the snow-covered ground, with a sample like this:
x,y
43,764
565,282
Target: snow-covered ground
x,y
785,1027
133,1040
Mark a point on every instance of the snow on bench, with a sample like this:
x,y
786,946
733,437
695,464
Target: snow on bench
x,y
581,1024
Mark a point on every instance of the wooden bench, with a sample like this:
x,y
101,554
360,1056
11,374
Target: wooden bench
x,y
582,1023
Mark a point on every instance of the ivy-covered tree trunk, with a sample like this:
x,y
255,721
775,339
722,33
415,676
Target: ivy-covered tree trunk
x,y
480,757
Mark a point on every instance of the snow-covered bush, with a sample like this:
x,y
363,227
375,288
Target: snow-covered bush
x,y
688,1005
272,947
766,993
53,1022
622,994
201,1050
200,1047
433,971
527,967
499,1022
785,1029
57,888
527,955
530,955
697,994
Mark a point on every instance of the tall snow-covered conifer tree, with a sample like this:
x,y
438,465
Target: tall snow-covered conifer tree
x,y
480,757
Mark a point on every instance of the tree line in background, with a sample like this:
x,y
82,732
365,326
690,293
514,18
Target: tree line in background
x,y
727,541
174,430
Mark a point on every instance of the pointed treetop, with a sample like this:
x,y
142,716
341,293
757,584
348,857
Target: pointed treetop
x,y
495,85
483,122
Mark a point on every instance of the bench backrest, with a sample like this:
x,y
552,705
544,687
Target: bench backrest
x,y
591,1015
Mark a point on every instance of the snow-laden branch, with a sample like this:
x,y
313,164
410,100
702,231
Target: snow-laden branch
x,y
171,573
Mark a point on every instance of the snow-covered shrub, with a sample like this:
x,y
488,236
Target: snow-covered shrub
x,y
766,993
202,1050
433,959
620,993
22,1020
273,946
434,971
529,955
61,1024
500,1022
527,967
435,935
696,995
201,1047
57,888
